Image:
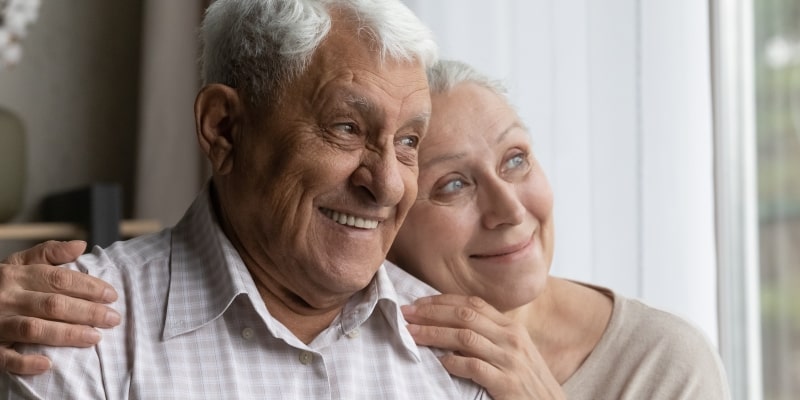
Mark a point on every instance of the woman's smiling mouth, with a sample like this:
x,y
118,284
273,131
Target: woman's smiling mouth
x,y
506,251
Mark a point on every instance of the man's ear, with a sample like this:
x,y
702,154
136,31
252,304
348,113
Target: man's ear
x,y
219,117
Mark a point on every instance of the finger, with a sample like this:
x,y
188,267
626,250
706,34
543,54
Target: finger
x,y
19,329
468,312
51,252
464,341
477,370
474,302
500,384
58,307
15,363
50,279
462,315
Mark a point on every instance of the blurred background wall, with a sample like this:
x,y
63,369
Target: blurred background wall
x,y
77,91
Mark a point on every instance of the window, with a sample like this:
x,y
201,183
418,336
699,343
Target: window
x,y
757,108
777,109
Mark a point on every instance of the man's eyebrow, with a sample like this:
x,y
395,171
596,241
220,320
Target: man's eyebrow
x,y
366,107
361,103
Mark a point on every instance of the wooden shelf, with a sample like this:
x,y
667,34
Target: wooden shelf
x,y
65,231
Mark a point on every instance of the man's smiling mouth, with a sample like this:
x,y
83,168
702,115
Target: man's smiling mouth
x,y
350,220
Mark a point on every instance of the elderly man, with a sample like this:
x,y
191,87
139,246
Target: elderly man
x,y
272,284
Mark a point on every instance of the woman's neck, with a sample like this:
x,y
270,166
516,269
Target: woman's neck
x,y
566,321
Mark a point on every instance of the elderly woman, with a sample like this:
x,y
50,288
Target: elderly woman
x,y
482,231
482,226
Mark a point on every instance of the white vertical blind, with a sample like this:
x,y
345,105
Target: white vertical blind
x,y
740,339
677,184
617,97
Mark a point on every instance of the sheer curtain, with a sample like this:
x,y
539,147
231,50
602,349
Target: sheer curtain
x,y
617,96
170,166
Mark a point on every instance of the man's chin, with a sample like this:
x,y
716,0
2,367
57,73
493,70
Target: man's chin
x,y
355,276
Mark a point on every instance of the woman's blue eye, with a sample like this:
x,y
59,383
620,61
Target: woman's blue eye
x,y
515,161
452,186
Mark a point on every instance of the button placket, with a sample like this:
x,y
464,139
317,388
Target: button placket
x,y
353,334
306,357
248,333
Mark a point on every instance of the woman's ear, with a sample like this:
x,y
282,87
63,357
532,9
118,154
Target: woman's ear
x,y
218,112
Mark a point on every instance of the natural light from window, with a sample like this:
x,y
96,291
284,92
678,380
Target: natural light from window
x,y
777,104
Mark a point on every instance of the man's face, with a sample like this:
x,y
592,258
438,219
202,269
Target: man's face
x,y
320,186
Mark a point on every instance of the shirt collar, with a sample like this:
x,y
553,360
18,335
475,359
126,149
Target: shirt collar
x,y
380,295
199,264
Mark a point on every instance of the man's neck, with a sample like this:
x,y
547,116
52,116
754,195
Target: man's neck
x,y
302,320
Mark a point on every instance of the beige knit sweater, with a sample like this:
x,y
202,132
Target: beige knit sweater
x,y
649,354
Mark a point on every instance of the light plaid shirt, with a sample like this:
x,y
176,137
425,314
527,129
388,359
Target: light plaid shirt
x,y
194,326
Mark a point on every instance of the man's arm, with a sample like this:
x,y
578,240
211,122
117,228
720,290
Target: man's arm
x,y
44,304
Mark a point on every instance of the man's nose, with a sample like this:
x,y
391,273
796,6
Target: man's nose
x,y
380,176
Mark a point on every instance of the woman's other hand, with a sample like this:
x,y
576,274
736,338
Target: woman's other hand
x,y
44,304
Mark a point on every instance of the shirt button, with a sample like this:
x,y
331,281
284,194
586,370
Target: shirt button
x,y
247,333
306,357
353,334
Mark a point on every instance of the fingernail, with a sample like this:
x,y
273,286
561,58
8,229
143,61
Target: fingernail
x,y
41,364
109,295
412,329
423,300
91,336
408,309
112,318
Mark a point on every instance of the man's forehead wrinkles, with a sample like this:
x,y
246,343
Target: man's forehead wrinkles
x,y
360,102
351,97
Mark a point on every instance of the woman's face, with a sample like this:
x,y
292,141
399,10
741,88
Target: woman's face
x,y
482,223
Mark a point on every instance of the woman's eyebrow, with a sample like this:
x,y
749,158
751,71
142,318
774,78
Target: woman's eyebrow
x,y
443,158
503,134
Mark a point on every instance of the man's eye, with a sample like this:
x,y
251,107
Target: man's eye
x,y
348,128
409,141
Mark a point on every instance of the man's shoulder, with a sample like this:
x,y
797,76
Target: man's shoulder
x,y
138,268
126,256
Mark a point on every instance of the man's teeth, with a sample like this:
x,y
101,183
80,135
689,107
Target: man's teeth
x,y
350,220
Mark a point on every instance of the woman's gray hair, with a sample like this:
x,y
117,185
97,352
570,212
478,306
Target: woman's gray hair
x,y
259,46
444,75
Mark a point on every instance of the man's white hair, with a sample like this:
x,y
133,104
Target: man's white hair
x,y
259,46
